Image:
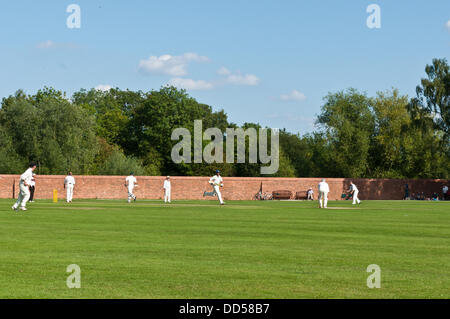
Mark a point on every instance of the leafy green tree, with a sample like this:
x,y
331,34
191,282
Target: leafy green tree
x,y
348,124
298,149
153,162
153,121
406,144
10,162
49,129
433,94
285,169
119,164
392,135
430,115
428,153
117,131
112,110
20,119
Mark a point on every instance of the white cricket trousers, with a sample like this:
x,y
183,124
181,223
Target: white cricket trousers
x,y
355,197
219,195
167,195
69,189
24,195
130,194
324,196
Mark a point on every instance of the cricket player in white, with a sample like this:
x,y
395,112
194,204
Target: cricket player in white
x,y
24,183
324,189
69,184
354,190
166,187
130,183
32,188
310,194
216,181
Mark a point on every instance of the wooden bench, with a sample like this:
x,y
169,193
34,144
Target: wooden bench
x,y
282,194
301,195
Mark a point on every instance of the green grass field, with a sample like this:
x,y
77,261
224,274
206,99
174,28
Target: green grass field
x,y
248,249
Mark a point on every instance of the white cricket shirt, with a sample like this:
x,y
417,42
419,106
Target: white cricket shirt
x,y
323,187
26,176
216,180
69,180
166,184
131,181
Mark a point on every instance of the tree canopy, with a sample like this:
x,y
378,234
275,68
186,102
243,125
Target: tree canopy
x,y
114,132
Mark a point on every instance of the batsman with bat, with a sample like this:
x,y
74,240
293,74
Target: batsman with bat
x,y
216,182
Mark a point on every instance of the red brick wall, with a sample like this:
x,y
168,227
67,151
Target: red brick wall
x,y
235,188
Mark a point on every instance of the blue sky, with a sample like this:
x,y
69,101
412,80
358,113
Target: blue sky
x,y
262,61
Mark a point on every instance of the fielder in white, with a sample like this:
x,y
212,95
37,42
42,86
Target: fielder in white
x,y
130,183
324,189
24,183
354,191
167,187
216,182
310,194
69,184
32,188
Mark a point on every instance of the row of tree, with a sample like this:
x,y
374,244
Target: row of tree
x,y
118,131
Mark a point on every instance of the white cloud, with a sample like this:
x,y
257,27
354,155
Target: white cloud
x,y
223,71
243,79
190,84
49,44
170,65
293,96
46,44
103,87
227,77
237,78
448,25
291,117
